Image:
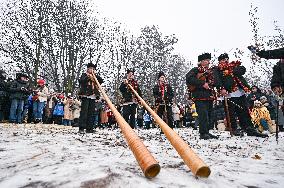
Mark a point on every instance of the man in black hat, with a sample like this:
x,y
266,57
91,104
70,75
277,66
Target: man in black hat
x,y
231,83
130,101
3,93
200,81
163,94
88,93
277,81
19,92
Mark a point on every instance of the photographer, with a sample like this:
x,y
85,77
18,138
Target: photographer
x,y
19,92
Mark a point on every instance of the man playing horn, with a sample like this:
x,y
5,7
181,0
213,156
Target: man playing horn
x,y
88,93
130,101
202,94
231,83
163,94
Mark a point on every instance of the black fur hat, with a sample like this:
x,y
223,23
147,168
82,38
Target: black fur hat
x,y
204,56
161,74
21,74
223,56
92,65
130,70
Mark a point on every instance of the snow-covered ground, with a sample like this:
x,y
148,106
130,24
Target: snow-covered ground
x,y
41,156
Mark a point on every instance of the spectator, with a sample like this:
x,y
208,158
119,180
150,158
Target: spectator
x,y
68,117
176,115
261,117
254,95
19,92
76,112
3,93
58,111
140,113
147,119
39,100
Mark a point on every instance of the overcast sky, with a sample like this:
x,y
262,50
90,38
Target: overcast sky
x,y
200,25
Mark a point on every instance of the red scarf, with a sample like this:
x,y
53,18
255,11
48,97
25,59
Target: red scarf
x,y
163,88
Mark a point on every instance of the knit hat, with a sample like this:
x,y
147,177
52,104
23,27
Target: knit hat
x,y
41,82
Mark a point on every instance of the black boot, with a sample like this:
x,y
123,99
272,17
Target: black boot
x,y
205,136
81,131
253,132
90,131
213,136
238,132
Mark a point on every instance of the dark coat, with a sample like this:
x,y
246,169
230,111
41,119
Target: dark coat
x,y
168,94
3,88
87,86
271,54
227,82
278,76
19,89
199,92
127,93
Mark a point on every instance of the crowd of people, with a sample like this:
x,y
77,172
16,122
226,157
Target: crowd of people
x,y
248,108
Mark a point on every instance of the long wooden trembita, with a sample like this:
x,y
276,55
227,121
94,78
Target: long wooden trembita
x,y
196,165
146,161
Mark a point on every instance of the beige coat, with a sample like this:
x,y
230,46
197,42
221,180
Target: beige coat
x,y
68,111
76,112
176,113
43,94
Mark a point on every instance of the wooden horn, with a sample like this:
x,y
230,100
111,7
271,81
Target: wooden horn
x,y
146,161
196,165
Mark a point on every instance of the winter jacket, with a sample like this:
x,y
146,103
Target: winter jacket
x,y
147,117
68,109
199,93
77,108
126,92
259,113
278,76
42,94
227,82
19,89
3,88
271,54
168,94
88,87
176,113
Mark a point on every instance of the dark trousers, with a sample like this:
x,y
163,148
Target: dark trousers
x,y
204,110
242,113
161,112
128,113
88,109
140,123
